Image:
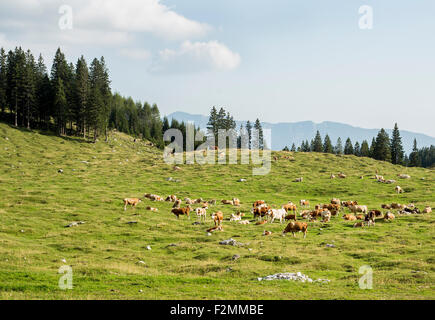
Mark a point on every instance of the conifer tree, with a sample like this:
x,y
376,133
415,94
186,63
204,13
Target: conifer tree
x,y
327,145
382,150
396,147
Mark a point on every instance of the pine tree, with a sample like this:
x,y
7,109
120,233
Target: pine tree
x,y
249,131
365,150
327,145
414,157
286,149
357,149
382,150
3,81
372,148
259,131
396,147
317,143
60,104
348,148
81,95
339,147
212,124
29,88
293,149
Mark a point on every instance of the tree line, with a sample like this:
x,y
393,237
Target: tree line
x,y
248,137
381,148
70,99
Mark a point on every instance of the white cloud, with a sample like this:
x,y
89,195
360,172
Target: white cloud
x,y
136,54
196,57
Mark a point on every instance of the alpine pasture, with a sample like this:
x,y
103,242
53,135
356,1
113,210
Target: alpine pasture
x,y
48,182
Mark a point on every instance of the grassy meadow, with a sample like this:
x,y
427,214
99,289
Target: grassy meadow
x,y
37,203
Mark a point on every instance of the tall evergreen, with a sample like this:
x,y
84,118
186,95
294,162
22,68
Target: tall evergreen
x,y
249,132
317,143
29,89
348,148
327,145
365,150
293,148
357,149
397,153
339,147
259,130
3,79
414,157
382,149
81,95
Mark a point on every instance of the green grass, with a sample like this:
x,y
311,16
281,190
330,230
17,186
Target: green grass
x,y
104,253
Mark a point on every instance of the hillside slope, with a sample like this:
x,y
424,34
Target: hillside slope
x,y
184,262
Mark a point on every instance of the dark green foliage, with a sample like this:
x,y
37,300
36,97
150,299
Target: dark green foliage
x,y
327,145
317,145
348,148
382,148
396,147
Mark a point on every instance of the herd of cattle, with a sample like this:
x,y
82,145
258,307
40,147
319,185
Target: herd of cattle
x,y
264,213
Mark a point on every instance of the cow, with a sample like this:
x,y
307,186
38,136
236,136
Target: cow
x,y
292,217
359,224
152,209
304,203
267,233
259,223
370,217
342,176
336,201
236,216
427,210
399,189
177,204
295,227
277,214
133,202
260,211
217,228
290,207
217,217
332,176
301,179
386,206
358,208
331,207
347,204
389,216
201,213
171,198
349,217
198,201
182,211
244,222
258,203
229,202
404,176
397,206
326,216
236,202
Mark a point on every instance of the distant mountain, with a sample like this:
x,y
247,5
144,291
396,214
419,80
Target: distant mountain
x,y
285,134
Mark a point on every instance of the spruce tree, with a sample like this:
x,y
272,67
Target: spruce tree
x,y
414,157
3,79
365,150
293,149
259,130
327,145
357,149
396,147
317,143
81,95
339,147
348,148
382,149
249,132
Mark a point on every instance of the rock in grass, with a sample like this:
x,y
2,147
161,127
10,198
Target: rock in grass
x,y
231,242
60,171
293,277
148,248
236,257
242,180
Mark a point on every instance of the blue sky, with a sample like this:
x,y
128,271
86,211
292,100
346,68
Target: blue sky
x,y
280,61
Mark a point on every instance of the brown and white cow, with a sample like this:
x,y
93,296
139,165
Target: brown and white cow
x,y
131,202
295,227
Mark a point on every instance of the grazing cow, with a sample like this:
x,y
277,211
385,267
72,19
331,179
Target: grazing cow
x,y
260,211
331,207
131,202
292,217
304,203
189,201
295,227
217,228
332,176
230,202
359,225
334,212
236,216
277,214
370,218
177,168
267,233
198,201
342,176
378,177
347,204
326,216
316,213
355,209
360,217
301,179
389,216
386,206
218,217
201,213
289,207
349,217
258,203
399,190
205,205
152,209
182,212
212,202
427,210
390,181
375,213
